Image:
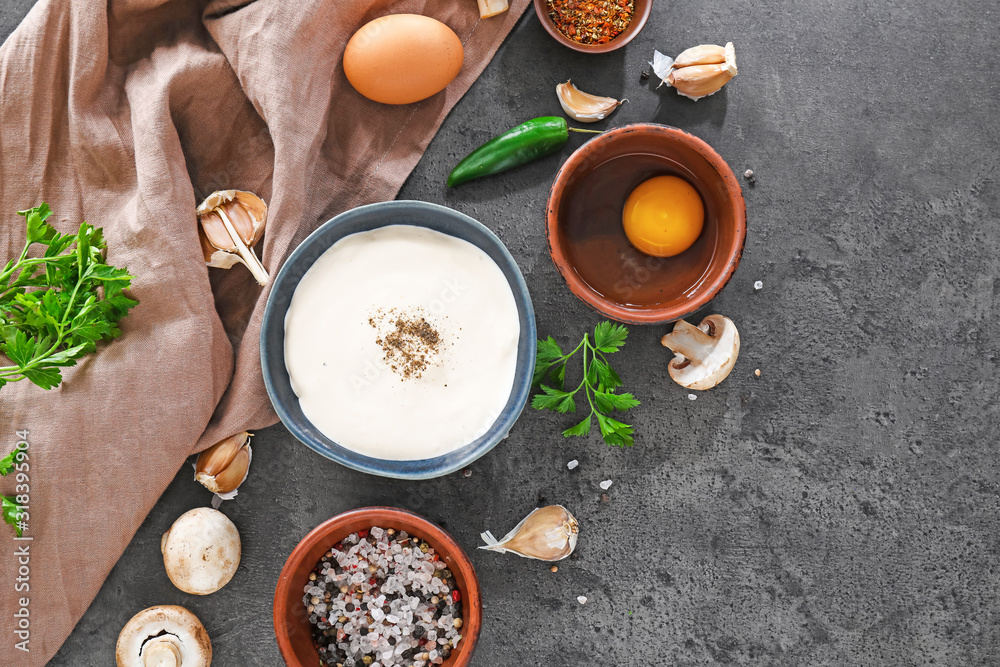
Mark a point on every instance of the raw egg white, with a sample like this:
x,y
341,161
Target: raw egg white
x,y
663,217
402,58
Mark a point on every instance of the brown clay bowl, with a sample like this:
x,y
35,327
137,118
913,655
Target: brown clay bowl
x,y
291,621
640,14
588,244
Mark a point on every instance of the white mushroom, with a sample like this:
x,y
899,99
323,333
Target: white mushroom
x,y
201,551
164,636
703,354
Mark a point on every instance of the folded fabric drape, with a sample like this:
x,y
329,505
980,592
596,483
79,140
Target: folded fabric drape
x,y
126,114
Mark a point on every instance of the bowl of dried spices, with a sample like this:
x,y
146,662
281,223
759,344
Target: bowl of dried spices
x,y
593,26
377,586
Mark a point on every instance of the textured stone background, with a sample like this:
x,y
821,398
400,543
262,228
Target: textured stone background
x,y
842,508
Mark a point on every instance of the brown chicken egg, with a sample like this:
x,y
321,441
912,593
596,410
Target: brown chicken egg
x,y
402,58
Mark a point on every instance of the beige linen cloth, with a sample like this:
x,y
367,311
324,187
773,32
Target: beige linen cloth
x,y
126,113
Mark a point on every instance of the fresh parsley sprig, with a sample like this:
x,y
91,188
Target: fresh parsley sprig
x,y
12,513
598,384
9,507
55,308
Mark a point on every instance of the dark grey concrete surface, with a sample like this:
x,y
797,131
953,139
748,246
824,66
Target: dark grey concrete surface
x,y
840,509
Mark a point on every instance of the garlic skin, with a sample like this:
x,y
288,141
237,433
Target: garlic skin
x,y
582,106
548,533
697,72
231,223
488,8
224,466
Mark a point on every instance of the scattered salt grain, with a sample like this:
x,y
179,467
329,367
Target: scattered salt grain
x,y
759,284
606,484
692,397
582,600
572,464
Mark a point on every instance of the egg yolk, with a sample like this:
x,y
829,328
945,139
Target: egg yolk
x,y
663,217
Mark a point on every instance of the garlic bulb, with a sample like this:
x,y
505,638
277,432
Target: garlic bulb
x,y
225,465
582,106
548,533
699,71
488,8
232,222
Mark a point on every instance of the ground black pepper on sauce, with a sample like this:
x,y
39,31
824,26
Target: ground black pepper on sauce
x,y
410,345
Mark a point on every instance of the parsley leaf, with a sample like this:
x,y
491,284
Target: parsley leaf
x,y
609,337
11,513
554,399
598,384
583,428
7,463
80,304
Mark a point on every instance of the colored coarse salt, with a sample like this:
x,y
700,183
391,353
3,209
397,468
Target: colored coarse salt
x,y
591,21
405,613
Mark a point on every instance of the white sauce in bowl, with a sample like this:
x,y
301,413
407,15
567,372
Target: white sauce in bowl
x,y
345,322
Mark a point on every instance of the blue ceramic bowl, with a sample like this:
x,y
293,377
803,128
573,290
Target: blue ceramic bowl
x,y
363,219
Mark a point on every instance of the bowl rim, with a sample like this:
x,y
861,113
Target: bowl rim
x,y
440,536
638,21
425,469
614,310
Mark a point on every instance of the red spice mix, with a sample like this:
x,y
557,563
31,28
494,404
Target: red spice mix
x,y
591,21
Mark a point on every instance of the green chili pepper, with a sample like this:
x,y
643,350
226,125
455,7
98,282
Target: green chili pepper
x,y
525,143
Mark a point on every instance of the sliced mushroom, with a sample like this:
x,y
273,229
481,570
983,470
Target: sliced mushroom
x,y
704,354
201,551
164,636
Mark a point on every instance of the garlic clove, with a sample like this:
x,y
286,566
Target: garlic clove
x,y
548,533
582,106
488,8
699,71
231,223
224,466
703,54
699,81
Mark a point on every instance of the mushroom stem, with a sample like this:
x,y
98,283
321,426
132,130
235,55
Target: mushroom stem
x,y
689,341
162,651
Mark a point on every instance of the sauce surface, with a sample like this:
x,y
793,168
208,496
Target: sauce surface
x,y
359,324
